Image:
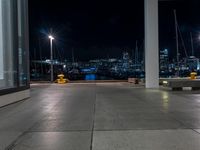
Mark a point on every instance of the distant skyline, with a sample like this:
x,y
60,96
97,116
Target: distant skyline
x,y
98,29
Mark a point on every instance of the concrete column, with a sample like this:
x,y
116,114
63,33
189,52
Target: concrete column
x,y
151,44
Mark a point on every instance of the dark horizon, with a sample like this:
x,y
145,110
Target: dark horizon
x,y
105,29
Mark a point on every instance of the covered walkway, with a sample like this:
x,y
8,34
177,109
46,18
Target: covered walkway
x,y
102,116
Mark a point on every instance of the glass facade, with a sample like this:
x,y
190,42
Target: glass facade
x,y
13,44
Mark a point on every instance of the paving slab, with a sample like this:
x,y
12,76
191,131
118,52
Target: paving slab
x,y
54,141
146,140
122,116
7,138
122,109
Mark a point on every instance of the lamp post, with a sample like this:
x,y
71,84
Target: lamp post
x,y
51,50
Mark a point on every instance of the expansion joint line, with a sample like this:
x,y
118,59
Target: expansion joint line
x,y
93,121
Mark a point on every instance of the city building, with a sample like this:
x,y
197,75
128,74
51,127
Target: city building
x,y
164,59
14,51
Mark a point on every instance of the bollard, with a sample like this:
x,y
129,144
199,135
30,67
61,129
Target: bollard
x,y
193,75
61,79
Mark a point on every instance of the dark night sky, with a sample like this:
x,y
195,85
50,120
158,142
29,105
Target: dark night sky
x,y
98,29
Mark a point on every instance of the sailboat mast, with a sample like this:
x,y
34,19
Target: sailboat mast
x,y
35,65
177,46
136,52
73,55
192,44
41,66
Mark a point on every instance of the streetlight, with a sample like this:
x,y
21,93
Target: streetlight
x,y
51,49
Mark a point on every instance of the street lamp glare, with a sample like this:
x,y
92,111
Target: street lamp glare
x,y
51,53
51,37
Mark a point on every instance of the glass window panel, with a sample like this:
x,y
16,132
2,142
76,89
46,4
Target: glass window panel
x,y
1,45
8,67
22,42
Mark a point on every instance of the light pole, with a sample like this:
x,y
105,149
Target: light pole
x,y
51,50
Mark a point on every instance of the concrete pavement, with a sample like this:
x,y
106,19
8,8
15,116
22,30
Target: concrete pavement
x,y
102,116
